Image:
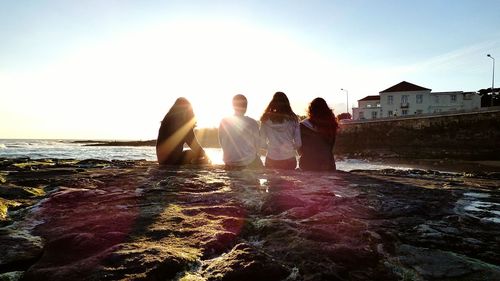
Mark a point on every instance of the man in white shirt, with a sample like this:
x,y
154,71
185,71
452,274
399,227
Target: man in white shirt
x,y
239,137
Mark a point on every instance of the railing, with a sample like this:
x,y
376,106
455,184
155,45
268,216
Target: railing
x,y
405,105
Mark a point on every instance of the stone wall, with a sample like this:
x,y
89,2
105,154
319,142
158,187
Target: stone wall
x,y
474,136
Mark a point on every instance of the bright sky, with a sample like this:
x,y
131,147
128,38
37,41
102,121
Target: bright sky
x,y
112,69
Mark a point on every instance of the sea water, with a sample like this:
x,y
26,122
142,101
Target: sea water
x,y
70,149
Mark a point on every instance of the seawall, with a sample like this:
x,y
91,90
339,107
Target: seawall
x,y
471,136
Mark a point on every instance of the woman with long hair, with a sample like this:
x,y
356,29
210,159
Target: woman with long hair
x,y
177,128
318,133
281,133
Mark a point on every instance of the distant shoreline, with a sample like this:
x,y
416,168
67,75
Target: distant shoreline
x,y
115,143
131,143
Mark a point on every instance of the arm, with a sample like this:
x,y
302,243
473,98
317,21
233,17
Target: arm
x,y
222,134
257,138
193,143
263,136
297,139
299,150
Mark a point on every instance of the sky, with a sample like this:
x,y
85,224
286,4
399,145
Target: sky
x,y
104,69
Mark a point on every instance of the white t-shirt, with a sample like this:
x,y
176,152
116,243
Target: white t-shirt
x,y
282,139
240,140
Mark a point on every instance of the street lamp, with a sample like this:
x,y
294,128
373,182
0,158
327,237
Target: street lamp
x,y
493,77
347,92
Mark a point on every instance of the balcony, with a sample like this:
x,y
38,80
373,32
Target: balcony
x,y
405,105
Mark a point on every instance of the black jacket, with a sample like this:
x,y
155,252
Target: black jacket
x,y
317,149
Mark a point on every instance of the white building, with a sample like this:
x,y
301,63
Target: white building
x,y
368,108
406,99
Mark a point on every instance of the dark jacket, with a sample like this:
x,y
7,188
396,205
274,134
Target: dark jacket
x,y
175,144
317,149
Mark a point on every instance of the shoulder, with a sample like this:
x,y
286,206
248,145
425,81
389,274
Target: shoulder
x,y
250,120
226,120
307,124
266,123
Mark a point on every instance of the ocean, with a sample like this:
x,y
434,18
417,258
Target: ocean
x,y
69,149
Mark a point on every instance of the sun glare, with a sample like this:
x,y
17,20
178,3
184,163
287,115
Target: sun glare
x,y
209,112
128,82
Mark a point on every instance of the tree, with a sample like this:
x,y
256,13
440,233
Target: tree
x,y
488,98
302,117
345,115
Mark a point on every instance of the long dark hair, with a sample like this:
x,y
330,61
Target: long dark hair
x,y
279,110
322,117
180,113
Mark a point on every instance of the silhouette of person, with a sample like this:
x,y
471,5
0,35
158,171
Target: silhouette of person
x,y
281,132
239,137
318,133
177,129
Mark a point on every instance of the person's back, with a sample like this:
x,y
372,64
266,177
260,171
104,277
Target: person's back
x,y
318,133
282,138
316,151
280,132
239,137
176,129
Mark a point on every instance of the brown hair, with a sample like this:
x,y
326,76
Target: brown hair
x,y
322,117
180,112
278,110
240,104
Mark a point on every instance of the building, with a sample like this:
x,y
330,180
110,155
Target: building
x,y
406,99
369,108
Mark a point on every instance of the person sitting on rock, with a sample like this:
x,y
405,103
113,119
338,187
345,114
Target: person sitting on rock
x,y
239,137
177,129
318,133
281,132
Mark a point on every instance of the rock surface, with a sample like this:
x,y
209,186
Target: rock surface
x,y
134,220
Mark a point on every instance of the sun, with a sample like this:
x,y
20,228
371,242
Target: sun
x,y
209,112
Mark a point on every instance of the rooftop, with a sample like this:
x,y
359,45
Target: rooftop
x,y
404,87
377,97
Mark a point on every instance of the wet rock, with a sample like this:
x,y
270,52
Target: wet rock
x,y
93,163
245,263
19,249
442,265
17,192
11,276
149,261
280,202
135,220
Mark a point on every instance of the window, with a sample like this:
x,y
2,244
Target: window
x,y
368,105
420,98
374,114
404,112
389,113
453,98
361,115
436,99
404,99
389,99
378,104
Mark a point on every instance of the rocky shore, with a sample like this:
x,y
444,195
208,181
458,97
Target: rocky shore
x,y
134,220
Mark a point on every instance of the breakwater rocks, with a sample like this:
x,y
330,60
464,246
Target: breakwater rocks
x,y
134,220
472,136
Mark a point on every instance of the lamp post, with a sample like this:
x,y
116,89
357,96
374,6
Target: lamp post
x,y
492,78
347,92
